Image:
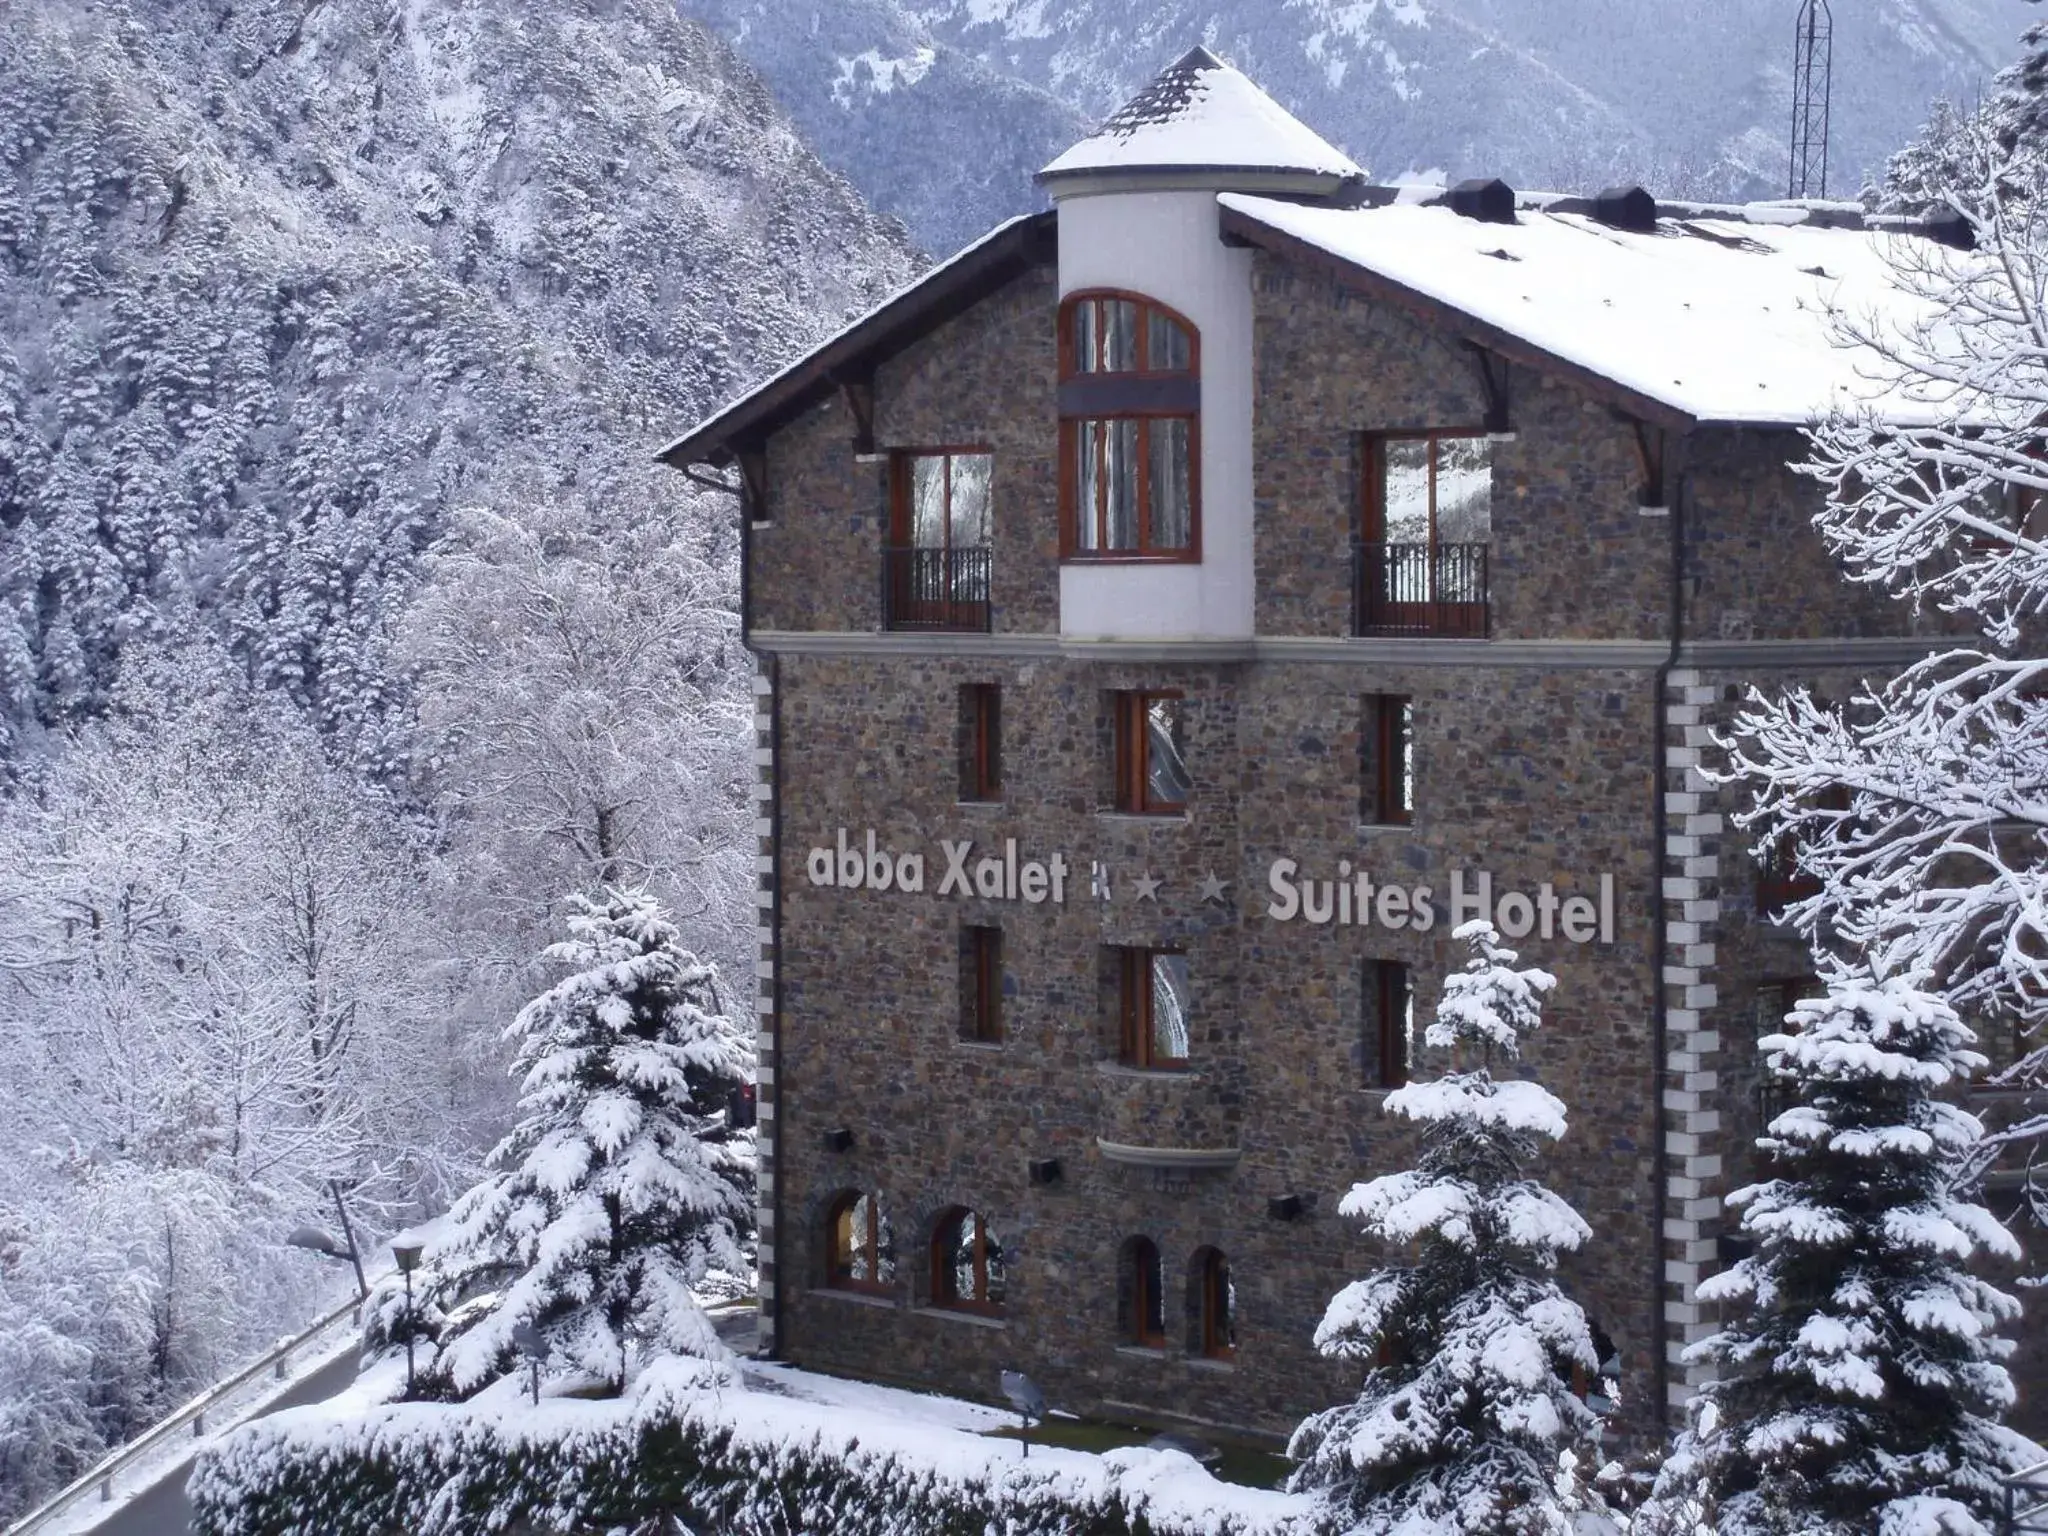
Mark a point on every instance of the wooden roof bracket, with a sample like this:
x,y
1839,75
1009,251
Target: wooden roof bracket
x,y
858,391
1494,375
712,482
753,466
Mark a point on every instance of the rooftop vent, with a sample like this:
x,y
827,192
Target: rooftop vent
x,y
1950,228
1488,201
1626,208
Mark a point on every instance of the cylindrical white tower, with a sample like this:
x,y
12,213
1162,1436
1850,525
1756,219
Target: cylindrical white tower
x,y
1138,220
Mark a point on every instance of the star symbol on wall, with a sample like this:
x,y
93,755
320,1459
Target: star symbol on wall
x,y
1146,887
1212,888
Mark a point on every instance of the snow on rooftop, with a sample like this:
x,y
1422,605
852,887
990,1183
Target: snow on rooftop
x,y
1724,319
1201,113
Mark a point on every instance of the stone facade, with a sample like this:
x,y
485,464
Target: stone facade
x,y
1538,764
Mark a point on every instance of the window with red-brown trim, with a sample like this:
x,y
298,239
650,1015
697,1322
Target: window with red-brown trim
x,y
968,1270
1388,780
1130,430
861,1253
1389,1023
981,984
981,741
1152,991
1781,881
1215,1332
1145,1279
1151,753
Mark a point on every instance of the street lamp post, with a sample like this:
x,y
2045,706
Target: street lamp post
x,y
408,1257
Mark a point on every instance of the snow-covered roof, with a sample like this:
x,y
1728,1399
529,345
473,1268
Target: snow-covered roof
x,y
1201,114
1718,319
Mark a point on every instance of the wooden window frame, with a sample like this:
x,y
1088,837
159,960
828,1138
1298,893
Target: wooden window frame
x,y
1391,770
981,743
1390,993
901,481
1127,395
1213,1290
1779,880
1373,526
1435,613
981,984
943,1293
842,1279
1135,1017
1133,795
1148,1295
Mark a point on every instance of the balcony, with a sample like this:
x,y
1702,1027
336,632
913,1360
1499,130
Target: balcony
x,y
1420,589
936,589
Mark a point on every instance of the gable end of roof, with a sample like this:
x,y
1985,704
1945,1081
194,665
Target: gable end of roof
x,y
945,292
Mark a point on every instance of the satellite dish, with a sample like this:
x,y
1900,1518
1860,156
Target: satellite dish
x,y
1024,1395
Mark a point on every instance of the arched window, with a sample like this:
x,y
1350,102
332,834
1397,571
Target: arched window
x,y
1144,1294
968,1271
1213,1309
861,1251
1130,440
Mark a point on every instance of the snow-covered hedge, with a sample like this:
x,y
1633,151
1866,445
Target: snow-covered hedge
x,y
708,1450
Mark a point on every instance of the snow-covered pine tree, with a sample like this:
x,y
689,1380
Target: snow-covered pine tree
x,y
620,1188
1860,1384
1467,1405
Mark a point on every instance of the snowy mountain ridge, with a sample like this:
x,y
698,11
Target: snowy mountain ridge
x,y
1570,94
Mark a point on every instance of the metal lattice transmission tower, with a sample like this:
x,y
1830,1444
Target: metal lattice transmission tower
x,y
1813,68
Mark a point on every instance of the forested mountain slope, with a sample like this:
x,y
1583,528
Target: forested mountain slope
x,y
346,622
1691,98
279,280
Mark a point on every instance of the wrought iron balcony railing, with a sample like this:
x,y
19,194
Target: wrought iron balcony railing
x,y
1420,589
936,588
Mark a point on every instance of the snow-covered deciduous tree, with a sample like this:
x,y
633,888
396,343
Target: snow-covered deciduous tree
x,y
1859,1384
1919,805
621,1186
1470,1350
585,704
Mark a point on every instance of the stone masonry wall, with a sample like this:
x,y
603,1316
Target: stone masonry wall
x,y
1529,776
1572,557
985,379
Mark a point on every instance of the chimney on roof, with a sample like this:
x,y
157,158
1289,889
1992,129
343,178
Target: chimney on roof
x,y
1488,201
1626,208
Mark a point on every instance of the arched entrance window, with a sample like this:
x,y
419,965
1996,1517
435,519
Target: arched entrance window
x,y
968,1270
860,1250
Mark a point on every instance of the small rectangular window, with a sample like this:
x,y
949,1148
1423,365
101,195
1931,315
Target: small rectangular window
x,y
1387,779
1154,998
981,741
1151,754
981,984
1389,1023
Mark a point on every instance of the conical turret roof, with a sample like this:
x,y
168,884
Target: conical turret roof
x,y
1201,114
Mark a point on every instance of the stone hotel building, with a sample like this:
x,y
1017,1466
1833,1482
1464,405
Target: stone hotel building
x,y
1175,613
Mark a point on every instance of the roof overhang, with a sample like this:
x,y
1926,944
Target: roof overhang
x,y
947,290
1240,227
